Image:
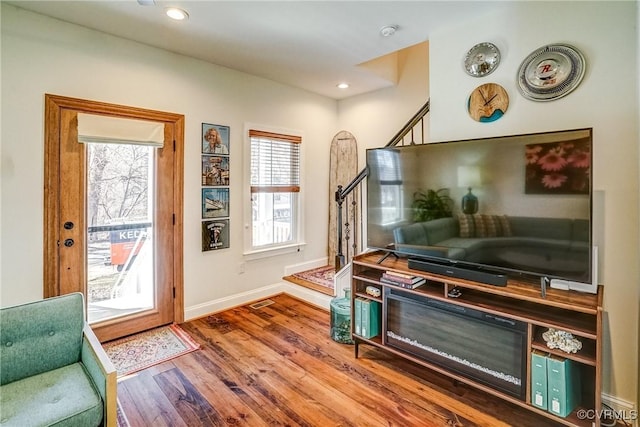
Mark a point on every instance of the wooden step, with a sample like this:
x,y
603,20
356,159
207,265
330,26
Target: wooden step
x,y
307,284
306,279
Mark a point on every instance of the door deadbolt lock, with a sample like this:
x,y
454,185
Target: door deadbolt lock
x,y
68,242
68,225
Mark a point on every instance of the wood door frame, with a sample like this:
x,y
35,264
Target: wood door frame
x,y
54,104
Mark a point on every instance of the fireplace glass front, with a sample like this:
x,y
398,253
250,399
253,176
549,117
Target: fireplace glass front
x,y
486,348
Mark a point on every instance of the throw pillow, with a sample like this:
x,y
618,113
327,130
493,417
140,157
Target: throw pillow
x,y
466,225
480,225
472,226
505,226
494,229
484,226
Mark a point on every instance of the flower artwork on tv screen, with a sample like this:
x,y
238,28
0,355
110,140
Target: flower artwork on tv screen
x,y
558,168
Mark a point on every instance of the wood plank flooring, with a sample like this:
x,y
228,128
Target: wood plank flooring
x,y
277,366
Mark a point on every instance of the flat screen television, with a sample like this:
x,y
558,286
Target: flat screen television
x,y
516,205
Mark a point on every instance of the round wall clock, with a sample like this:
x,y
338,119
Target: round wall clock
x,y
488,102
481,59
551,72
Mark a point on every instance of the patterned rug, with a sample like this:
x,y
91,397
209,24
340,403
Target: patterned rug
x,y
122,420
140,351
322,276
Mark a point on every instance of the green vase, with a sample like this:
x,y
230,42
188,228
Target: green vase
x,y
341,318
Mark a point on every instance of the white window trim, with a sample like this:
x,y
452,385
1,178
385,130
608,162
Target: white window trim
x,y
274,251
290,247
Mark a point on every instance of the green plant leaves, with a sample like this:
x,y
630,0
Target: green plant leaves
x,y
432,204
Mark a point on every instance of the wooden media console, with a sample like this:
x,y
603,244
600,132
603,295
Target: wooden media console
x,y
508,320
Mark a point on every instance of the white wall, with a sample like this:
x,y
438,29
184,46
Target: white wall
x,y
42,55
606,100
374,118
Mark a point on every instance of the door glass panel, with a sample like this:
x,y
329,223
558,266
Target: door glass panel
x,y
120,229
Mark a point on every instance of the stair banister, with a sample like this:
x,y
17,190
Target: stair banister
x,y
341,195
408,127
342,192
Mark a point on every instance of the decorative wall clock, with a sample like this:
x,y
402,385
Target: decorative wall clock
x,y
481,59
551,72
488,102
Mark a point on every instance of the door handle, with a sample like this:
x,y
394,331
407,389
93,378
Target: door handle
x,y
68,242
68,225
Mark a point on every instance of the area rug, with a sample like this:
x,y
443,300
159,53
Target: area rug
x,y
140,351
322,276
121,419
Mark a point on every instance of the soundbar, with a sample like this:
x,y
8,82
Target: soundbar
x,y
486,277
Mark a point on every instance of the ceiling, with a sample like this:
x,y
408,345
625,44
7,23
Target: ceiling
x,y
313,45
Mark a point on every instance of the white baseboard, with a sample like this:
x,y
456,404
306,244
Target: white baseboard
x,y
231,301
308,295
622,407
312,297
304,266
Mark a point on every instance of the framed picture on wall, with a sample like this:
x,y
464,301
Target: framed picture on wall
x,y
215,139
215,170
215,234
215,202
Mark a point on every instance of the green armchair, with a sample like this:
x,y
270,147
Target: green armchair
x,y
53,370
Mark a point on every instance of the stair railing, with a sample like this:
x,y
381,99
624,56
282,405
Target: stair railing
x,y
405,136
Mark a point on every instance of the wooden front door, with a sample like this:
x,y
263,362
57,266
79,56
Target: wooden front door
x,y
113,213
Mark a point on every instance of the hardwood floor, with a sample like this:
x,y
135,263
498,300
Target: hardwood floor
x,y
277,366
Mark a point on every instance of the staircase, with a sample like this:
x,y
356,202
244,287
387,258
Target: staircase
x,y
349,213
411,133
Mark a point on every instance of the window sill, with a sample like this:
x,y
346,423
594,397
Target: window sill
x,y
275,251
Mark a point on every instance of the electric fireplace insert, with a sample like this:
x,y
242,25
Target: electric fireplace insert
x,y
484,347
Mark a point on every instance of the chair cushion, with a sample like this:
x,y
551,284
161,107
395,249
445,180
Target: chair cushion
x,y
62,397
40,336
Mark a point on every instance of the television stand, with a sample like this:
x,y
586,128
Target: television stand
x,y
517,302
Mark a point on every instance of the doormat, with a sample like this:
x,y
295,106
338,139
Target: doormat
x,y
322,276
140,351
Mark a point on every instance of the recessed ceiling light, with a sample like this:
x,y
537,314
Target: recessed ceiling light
x,y
175,13
343,85
388,31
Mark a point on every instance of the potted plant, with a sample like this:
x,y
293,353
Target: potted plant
x,y
432,204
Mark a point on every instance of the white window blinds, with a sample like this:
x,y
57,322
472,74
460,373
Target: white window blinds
x,y
388,167
275,162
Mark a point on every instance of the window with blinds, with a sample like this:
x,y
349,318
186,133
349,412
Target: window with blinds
x,y
275,184
391,200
